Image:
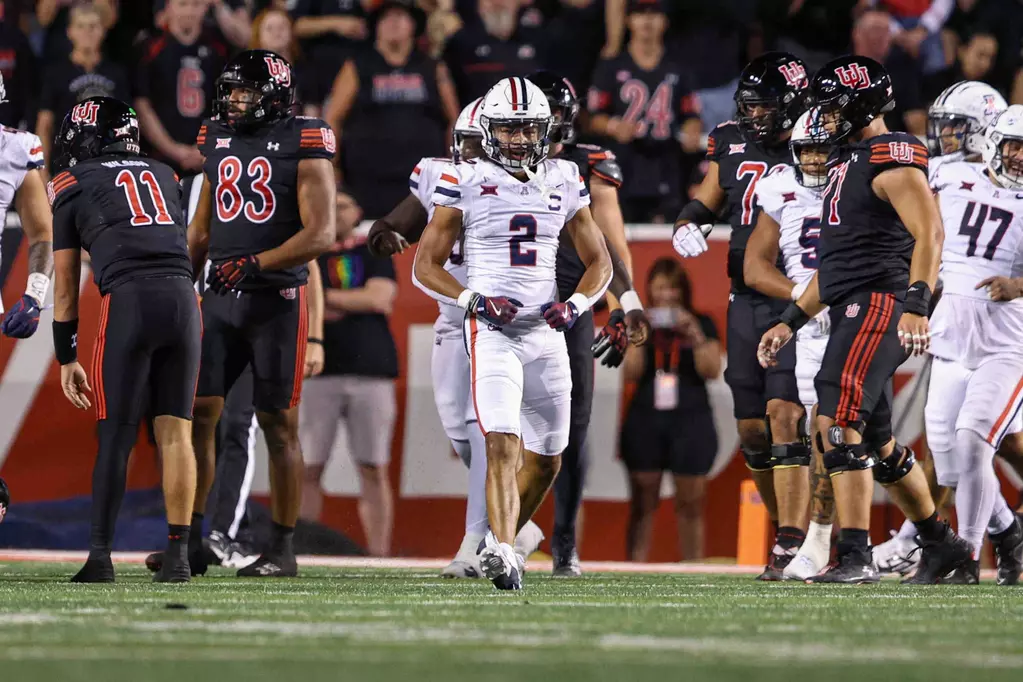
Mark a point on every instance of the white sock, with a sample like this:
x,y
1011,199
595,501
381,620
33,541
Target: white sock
x,y
467,550
908,530
978,487
817,544
476,501
1001,518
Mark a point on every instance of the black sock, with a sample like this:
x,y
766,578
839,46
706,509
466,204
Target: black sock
x,y
109,475
195,532
930,529
790,537
177,537
1008,531
852,539
280,540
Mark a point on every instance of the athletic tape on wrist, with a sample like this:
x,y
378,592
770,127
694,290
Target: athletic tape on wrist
x,y
37,287
630,301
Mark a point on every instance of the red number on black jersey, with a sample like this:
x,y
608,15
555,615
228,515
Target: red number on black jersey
x,y
757,170
836,176
191,97
139,217
229,200
652,113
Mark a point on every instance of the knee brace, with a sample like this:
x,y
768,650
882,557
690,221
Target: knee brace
x,y
895,466
758,461
791,455
845,457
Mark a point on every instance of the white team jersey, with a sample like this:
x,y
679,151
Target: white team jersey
x,y
936,162
20,152
422,183
512,228
797,210
983,238
983,228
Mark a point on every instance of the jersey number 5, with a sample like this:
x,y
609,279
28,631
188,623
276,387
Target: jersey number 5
x,y
517,256
139,216
986,213
229,200
809,235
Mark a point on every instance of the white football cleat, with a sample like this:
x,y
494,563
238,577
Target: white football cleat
x,y
527,542
897,555
466,563
499,564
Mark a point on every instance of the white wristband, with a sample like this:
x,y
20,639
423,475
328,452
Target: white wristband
x,y
581,303
630,301
465,298
37,287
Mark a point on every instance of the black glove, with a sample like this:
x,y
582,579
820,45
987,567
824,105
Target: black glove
x,y
382,241
229,274
612,340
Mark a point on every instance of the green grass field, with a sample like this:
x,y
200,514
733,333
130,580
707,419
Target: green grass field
x,y
351,624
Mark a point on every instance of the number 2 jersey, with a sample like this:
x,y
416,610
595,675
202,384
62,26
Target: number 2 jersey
x,y
983,238
512,228
126,212
864,247
741,165
253,180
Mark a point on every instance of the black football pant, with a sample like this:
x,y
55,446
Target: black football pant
x,y
236,461
568,486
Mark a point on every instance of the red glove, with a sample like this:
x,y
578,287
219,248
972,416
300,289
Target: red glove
x,y
229,274
560,316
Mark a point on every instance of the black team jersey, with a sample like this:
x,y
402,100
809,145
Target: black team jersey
x,y
126,212
254,185
741,165
592,161
864,247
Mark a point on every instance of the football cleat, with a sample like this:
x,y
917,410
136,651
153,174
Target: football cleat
x,y
897,555
940,558
967,574
499,563
173,569
566,563
776,564
198,561
466,563
271,566
852,568
1009,555
95,571
239,555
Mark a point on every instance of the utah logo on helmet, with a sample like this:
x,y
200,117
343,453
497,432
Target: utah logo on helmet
x,y
85,113
279,70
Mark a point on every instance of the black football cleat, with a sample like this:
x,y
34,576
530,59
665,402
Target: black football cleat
x,y
1009,555
967,574
940,558
566,563
173,569
271,566
852,568
198,561
95,571
774,571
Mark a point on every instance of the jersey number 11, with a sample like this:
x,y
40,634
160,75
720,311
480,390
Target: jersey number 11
x,y
139,216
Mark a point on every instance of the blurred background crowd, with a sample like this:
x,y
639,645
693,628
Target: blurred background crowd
x,y
390,76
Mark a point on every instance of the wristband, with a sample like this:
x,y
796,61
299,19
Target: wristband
x,y
580,301
466,298
630,301
313,339
65,341
918,299
37,287
794,317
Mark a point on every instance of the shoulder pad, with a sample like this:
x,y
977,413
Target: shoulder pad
x,y
23,150
314,136
62,187
607,169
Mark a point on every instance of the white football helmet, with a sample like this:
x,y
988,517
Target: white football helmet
x,y
467,127
1006,131
516,121
813,176
966,109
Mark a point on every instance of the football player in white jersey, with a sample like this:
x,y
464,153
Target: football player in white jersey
x,y
514,204
791,198
976,388
956,125
23,185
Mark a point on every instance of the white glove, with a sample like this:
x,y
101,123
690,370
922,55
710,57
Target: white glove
x,y
690,240
798,290
823,320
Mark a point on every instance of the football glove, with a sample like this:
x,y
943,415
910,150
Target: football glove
x,y
612,340
383,241
691,240
560,316
229,274
22,320
494,310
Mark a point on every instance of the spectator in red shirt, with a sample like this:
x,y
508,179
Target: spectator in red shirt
x,y
175,82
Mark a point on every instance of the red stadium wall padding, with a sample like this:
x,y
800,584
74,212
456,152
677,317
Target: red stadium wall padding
x,y
51,455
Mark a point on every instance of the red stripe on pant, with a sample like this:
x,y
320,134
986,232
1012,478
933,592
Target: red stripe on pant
x,y
992,437
97,359
882,306
850,371
300,345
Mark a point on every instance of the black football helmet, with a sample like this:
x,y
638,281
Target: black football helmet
x,y
771,96
5,499
562,98
94,127
850,92
268,76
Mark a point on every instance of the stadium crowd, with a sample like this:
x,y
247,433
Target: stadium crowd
x,y
390,77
